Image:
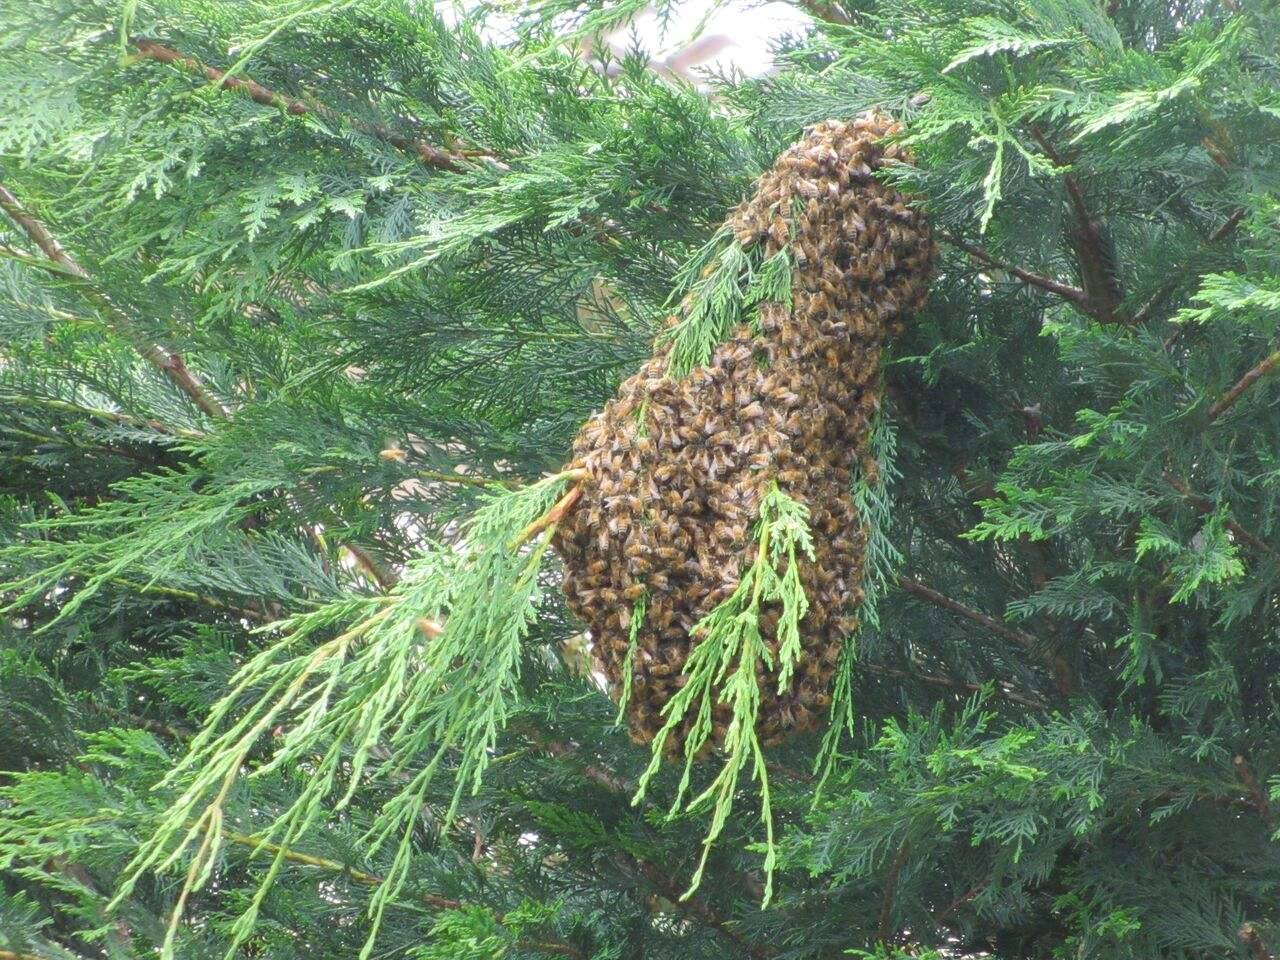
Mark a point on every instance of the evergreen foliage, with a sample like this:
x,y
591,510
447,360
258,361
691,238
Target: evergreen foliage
x,y
301,303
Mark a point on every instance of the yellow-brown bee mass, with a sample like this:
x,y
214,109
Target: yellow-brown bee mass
x,y
676,467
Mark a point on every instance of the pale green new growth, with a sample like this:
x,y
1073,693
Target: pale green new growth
x,y
388,680
722,670
723,284
628,668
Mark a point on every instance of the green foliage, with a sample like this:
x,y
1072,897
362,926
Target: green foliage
x,y
389,676
720,284
728,665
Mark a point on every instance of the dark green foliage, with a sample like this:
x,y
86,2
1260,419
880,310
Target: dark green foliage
x,y
291,394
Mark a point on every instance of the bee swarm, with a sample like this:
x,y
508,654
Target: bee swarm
x,y
676,467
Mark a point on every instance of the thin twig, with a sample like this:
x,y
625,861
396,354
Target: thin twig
x,y
960,901
166,361
1245,774
890,892
1223,231
1225,402
111,416
1063,676
825,11
554,515
595,772
1065,290
662,880
378,571
427,153
997,689
1228,225
1154,301
465,479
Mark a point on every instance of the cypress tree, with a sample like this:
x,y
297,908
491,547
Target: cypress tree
x,y
302,306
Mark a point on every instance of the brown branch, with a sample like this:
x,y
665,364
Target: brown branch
x,y
1225,402
11,955
1072,294
377,571
1063,676
1250,937
428,154
1102,290
39,234
1245,774
891,891
825,11
1228,225
251,611
167,362
1154,301
997,689
960,901
555,514
595,772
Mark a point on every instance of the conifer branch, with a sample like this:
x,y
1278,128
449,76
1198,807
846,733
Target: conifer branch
x,y
1257,795
890,892
661,879
1063,675
372,880
427,153
1225,402
1101,286
166,361
1203,505
1064,290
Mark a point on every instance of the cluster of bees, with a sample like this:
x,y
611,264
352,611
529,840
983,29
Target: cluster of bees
x,y
677,466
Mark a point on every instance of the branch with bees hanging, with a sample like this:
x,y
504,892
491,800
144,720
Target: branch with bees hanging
x,y
677,466
757,407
